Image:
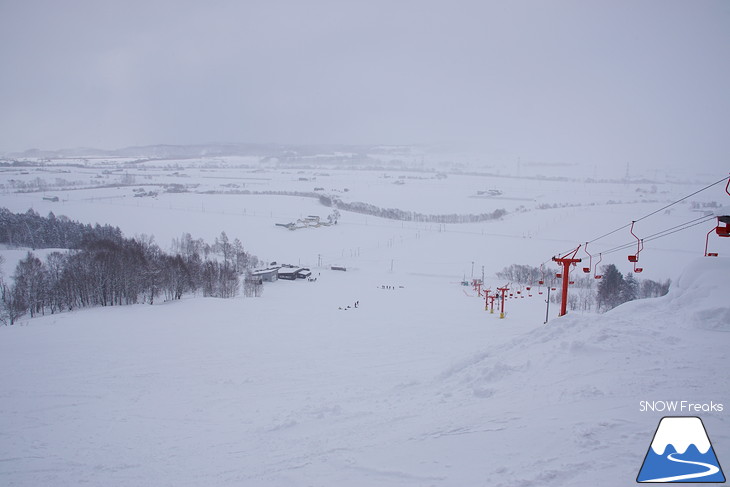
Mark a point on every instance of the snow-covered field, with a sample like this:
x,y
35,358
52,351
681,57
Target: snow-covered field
x,y
419,385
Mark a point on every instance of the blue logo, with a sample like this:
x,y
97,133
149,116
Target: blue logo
x,y
680,452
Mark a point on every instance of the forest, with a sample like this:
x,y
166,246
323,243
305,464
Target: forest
x,y
98,266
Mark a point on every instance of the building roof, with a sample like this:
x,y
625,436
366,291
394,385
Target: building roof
x,y
289,270
261,272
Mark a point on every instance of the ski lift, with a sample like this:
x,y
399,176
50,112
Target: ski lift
x,y
639,247
595,269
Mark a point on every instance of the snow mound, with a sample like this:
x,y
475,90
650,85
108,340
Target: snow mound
x,y
701,293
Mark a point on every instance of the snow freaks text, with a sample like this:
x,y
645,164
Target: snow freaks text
x,y
680,407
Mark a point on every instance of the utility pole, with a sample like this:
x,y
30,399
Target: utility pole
x,y
547,310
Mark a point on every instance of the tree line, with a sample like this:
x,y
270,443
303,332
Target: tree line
x,y
29,229
404,215
104,268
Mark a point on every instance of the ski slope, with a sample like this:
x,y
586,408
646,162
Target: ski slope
x,y
418,385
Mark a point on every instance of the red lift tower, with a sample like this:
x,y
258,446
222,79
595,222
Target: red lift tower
x,y
566,261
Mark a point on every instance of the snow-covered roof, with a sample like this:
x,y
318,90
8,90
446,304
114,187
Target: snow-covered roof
x,y
289,270
260,272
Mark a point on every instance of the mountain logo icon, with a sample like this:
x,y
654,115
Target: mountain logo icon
x,y
680,452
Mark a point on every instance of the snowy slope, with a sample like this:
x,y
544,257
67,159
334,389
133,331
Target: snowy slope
x,y
417,386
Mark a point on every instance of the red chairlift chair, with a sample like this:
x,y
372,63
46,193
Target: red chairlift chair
x,y
587,270
639,247
724,231
721,231
595,269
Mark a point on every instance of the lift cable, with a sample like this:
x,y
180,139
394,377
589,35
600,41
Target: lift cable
x,y
662,208
663,233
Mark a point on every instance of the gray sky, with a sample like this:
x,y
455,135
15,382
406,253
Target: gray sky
x,y
570,81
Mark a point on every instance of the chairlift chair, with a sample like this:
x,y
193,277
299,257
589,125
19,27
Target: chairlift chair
x,y
595,269
587,270
634,258
721,231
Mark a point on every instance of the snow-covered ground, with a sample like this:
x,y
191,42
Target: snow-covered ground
x,y
418,385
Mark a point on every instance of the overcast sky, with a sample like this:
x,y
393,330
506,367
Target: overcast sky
x,y
566,81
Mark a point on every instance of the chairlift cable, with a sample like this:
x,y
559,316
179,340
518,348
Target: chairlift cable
x,y
662,208
663,233
682,199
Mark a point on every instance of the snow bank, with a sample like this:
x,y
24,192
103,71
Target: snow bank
x,y
702,293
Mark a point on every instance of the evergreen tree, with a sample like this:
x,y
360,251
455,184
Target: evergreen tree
x,y
610,288
630,289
